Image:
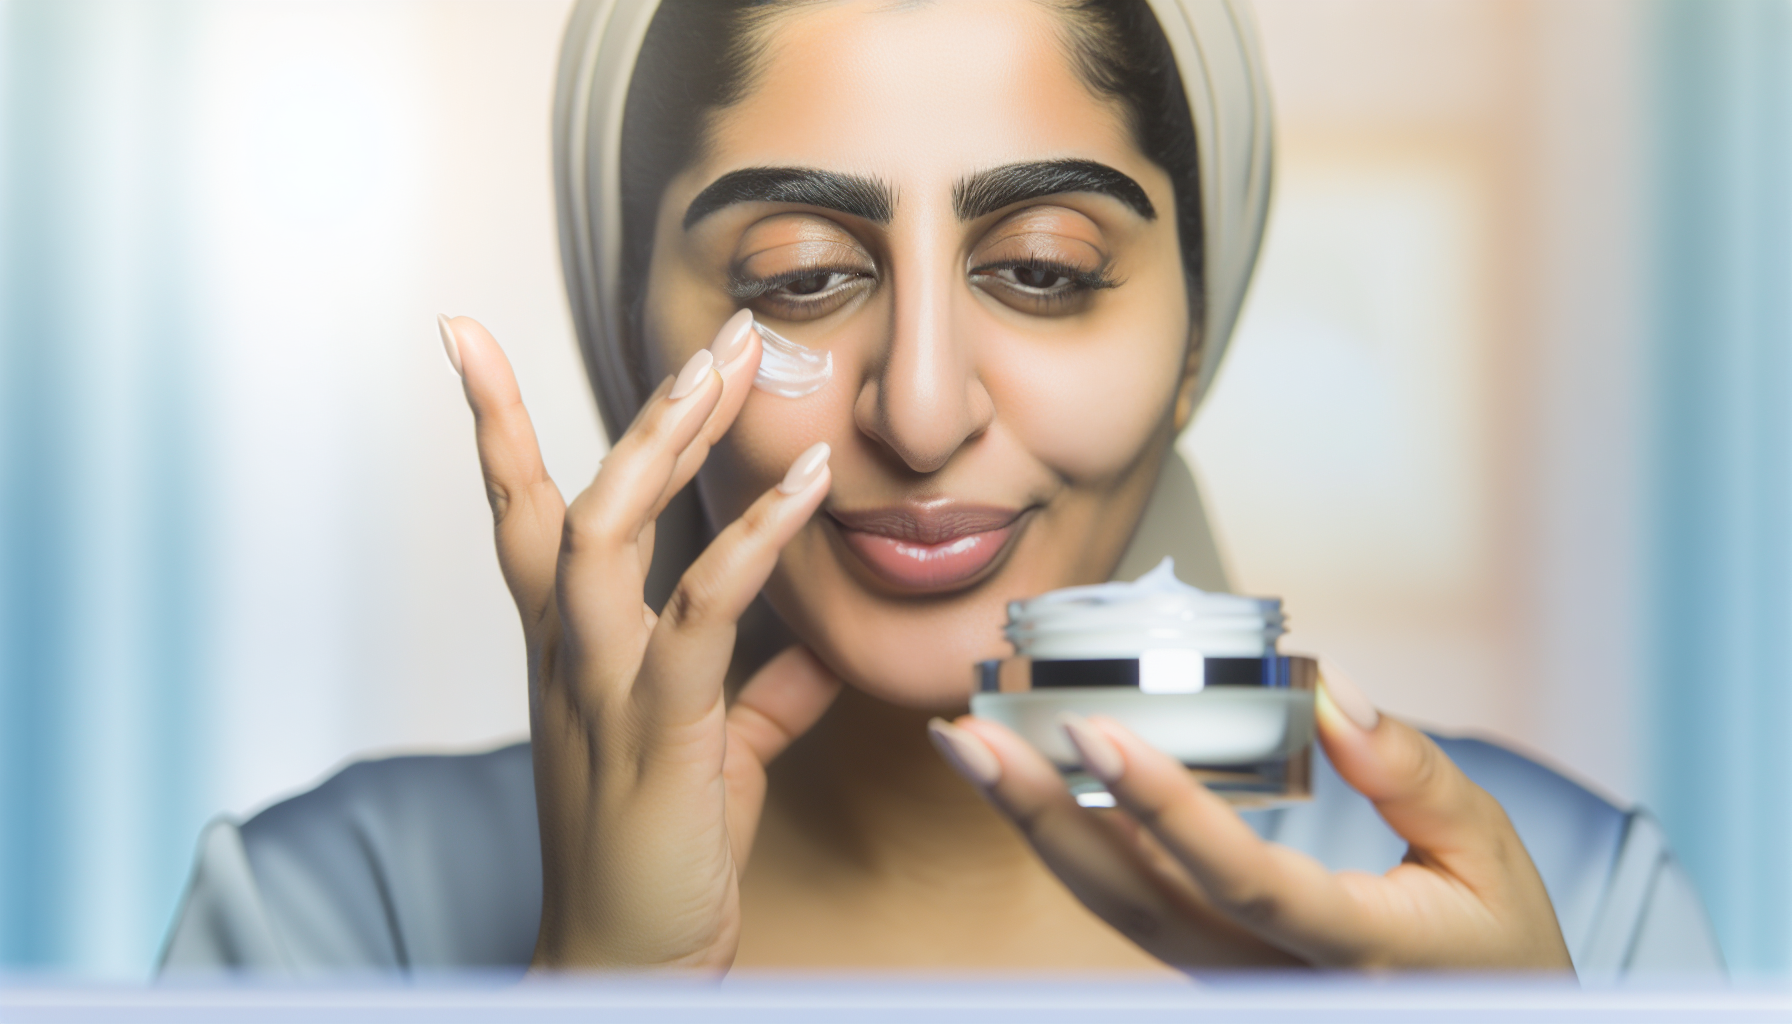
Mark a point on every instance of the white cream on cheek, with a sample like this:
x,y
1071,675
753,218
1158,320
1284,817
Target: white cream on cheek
x,y
787,369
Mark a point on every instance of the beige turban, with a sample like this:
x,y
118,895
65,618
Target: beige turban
x,y
1215,43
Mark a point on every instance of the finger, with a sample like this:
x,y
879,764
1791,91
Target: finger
x,y
689,650
527,508
1414,785
1463,843
1107,865
781,702
1284,897
1456,829
737,349
601,568
727,347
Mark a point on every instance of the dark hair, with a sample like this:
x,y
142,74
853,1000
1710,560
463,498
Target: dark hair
x,y
699,57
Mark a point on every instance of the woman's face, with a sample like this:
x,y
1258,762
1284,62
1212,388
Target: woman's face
x,y
1010,342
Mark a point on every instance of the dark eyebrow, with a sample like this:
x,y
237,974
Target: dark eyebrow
x,y
988,191
866,198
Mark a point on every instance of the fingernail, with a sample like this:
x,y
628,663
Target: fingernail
x,y
965,752
1100,757
449,343
693,374
1348,698
732,338
806,468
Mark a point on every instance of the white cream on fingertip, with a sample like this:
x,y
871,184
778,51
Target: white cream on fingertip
x,y
787,369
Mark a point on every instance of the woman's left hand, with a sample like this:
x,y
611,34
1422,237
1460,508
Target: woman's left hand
x,y
1176,870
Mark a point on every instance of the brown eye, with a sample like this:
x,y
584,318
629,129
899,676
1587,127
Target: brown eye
x,y
1041,287
799,267
1037,277
802,294
814,284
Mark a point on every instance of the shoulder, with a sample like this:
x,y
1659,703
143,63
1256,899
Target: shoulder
x,y
404,800
396,864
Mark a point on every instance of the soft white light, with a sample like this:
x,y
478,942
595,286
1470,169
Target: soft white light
x,y
1172,671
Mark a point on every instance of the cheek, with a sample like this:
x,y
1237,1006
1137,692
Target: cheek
x,y
1086,407
766,438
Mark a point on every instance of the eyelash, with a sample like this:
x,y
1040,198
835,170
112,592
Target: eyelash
x,y
746,289
1080,279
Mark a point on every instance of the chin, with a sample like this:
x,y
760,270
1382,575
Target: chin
x,y
939,689
917,645
912,652
913,661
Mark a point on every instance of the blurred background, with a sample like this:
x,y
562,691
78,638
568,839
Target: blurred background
x,y
1508,422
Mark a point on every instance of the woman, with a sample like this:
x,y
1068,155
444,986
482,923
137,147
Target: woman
x,y
1021,235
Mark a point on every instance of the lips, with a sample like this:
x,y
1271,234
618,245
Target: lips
x,y
927,548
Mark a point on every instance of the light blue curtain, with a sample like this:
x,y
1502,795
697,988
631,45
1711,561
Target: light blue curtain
x,y
102,495
1721,541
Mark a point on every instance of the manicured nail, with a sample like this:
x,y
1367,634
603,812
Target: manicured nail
x,y
965,752
1348,698
1100,757
449,343
693,374
806,468
732,338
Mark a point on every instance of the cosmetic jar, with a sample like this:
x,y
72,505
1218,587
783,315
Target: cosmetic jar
x,y
1194,674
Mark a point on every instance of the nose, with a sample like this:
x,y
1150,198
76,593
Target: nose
x,y
926,400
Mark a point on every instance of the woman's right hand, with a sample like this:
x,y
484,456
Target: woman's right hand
x,y
648,784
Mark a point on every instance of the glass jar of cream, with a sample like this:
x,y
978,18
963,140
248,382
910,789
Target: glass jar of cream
x,y
1194,674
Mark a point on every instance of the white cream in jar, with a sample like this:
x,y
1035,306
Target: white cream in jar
x,y
1193,673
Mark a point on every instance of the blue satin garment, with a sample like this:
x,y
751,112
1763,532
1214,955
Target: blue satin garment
x,y
429,864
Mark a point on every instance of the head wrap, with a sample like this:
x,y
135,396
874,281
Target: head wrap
x,y
1216,50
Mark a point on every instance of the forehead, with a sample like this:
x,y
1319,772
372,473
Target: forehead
x,y
917,93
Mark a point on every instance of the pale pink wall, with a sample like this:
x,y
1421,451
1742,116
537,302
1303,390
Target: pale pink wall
x,y
1424,439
